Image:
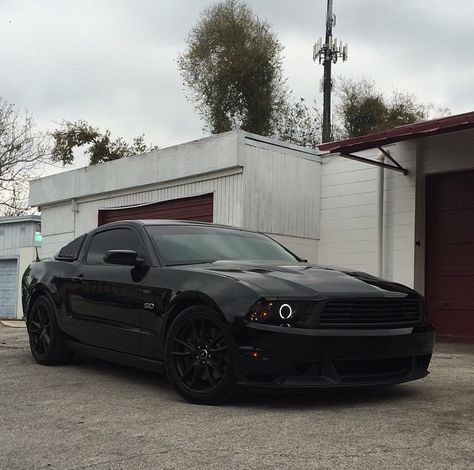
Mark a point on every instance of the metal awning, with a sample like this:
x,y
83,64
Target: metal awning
x,y
390,166
348,147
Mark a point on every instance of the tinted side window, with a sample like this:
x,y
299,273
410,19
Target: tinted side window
x,y
72,249
115,239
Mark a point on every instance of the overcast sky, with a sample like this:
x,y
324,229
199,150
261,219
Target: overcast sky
x,y
112,62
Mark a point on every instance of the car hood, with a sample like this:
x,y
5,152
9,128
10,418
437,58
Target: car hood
x,y
304,280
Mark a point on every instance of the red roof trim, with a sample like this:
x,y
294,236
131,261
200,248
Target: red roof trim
x,y
410,131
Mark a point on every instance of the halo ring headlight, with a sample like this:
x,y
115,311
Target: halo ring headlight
x,y
285,311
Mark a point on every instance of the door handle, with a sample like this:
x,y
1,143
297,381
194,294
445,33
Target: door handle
x,y
78,278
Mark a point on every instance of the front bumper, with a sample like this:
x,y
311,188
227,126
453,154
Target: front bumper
x,y
279,357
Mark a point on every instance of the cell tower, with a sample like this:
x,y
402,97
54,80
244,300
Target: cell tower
x,y
328,53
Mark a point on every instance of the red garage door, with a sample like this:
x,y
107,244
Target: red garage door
x,y
197,208
450,254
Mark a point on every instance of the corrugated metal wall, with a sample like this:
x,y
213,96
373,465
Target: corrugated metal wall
x,y
15,235
281,191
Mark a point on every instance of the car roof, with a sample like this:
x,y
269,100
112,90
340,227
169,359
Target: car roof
x,y
171,222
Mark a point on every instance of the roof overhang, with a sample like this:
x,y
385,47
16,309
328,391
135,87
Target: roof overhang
x,y
445,125
348,147
20,218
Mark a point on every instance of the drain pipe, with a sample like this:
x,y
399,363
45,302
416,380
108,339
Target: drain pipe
x,y
380,216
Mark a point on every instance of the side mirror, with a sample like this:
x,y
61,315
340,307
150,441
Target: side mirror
x,y
123,258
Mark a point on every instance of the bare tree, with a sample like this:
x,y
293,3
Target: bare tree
x,y
297,123
22,153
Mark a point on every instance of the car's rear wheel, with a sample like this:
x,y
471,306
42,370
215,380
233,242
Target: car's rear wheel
x,y
46,339
199,359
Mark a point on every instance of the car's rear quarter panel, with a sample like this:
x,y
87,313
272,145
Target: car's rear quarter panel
x,y
44,278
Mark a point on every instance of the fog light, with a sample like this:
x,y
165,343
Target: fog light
x,y
255,354
285,311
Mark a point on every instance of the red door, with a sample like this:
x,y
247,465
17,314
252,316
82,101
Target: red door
x,y
450,254
197,208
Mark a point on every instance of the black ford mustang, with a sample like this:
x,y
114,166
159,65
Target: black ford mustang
x,y
217,307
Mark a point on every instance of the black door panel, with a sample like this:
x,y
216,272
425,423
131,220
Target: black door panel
x,y
109,308
105,302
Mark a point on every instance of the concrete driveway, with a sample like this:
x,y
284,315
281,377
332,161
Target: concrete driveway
x,y
95,415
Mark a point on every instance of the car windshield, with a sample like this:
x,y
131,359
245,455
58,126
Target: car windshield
x,y
185,244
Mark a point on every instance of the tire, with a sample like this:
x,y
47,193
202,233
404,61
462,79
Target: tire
x,y
200,356
46,339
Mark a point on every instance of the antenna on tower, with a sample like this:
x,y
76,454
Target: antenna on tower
x,y
326,54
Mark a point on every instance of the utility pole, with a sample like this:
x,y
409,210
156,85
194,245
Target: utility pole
x,y
327,54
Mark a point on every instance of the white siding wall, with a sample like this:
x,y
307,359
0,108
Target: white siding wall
x,y
57,228
52,243
349,215
449,152
181,161
281,190
399,217
306,248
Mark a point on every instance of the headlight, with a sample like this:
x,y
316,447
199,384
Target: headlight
x,y
285,311
276,312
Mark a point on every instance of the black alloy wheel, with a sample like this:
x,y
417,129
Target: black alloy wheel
x,y
40,329
46,339
199,355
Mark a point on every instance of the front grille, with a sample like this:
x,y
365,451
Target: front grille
x,y
370,313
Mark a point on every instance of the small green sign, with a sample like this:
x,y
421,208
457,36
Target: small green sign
x,y
37,238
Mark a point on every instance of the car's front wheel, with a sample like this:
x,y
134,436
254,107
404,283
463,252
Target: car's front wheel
x,y
199,356
46,339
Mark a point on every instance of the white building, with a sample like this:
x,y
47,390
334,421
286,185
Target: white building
x,y
16,253
398,204
234,178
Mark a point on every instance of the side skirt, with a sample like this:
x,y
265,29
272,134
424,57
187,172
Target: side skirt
x,y
116,357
